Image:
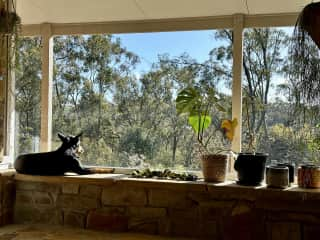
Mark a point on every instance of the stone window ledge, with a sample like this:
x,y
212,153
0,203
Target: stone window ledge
x,y
229,189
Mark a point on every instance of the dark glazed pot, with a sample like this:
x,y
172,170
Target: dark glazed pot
x,y
250,168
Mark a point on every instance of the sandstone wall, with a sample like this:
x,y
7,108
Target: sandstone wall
x,y
196,210
7,197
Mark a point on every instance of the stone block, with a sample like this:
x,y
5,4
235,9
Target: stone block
x,y
185,228
244,225
289,205
173,185
147,212
100,220
113,211
24,198
167,198
284,231
186,213
22,185
24,215
209,229
8,193
50,216
311,232
39,186
122,196
294,217
91,191
215,211
77,203
232,192
33,215
74,219
70,188
42,200
164,226
147,226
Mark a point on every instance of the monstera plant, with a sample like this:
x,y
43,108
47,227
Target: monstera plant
x,y
197,102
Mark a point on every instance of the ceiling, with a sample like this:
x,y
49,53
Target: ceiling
x,y
77,11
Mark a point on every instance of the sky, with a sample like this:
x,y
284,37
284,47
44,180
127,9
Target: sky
x,y
197,44
148,46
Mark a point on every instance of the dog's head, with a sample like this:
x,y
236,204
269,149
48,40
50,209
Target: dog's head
x,y
71,143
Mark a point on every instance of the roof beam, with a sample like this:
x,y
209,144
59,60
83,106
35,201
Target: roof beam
x,y
174,24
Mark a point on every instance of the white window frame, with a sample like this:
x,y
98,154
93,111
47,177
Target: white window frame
x,y
236,22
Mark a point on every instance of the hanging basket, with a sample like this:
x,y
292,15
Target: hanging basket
x,y
305,51
308,22
9,22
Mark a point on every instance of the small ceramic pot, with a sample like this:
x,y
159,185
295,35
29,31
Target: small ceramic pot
x,y
277,176
309,176
214,167
250,168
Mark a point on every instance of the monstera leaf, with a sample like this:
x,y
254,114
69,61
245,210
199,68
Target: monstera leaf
x,y
188,101
199,123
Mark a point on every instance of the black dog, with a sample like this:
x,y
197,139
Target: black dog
x,y
58,162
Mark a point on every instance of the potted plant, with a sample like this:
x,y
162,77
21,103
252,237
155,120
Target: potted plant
x,y
9,20
198,102
9,28
250,165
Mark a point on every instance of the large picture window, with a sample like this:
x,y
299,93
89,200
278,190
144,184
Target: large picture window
x,y
120,90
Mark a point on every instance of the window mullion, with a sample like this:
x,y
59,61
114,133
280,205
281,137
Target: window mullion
x,y
46,88
237,75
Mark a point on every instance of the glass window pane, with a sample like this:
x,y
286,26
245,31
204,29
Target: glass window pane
x,y
27,105
120,91
275,120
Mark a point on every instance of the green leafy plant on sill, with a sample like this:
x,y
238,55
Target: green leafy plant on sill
x,y
197,102
165,174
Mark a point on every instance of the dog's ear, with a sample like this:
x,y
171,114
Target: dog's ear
x,y
62,137
79,135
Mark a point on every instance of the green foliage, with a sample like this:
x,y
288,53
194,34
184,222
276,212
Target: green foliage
x,y
199,123
27,105
133,142
198,101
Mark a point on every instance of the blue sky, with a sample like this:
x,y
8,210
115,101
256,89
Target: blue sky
x,y
149,45
197,44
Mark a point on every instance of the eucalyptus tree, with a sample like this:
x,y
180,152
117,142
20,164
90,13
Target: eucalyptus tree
x,y
263,56
28,77
87,68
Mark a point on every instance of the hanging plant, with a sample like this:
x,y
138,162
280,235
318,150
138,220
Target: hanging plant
x,y
10,24
9,20
304,49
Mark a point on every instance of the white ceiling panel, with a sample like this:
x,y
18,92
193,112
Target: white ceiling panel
x,y
77,11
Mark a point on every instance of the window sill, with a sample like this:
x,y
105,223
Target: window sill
x,y
229,187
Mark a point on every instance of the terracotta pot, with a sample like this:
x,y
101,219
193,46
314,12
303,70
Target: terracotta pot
x,y
250,168
214,167
309,176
